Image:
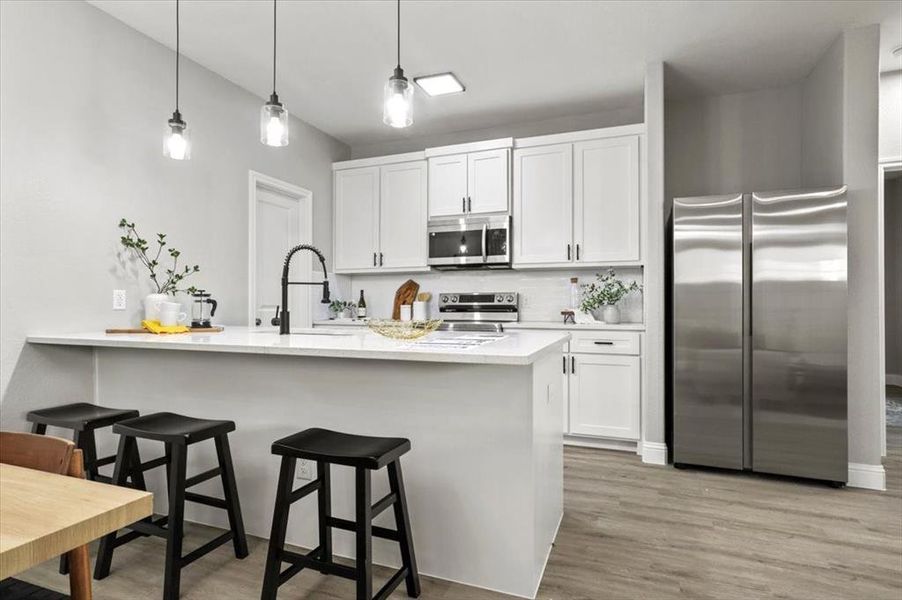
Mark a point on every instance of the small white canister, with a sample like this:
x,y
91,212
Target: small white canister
x,y
420,311
405,312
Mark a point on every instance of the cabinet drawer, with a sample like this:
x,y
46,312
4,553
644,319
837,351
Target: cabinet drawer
x,y
605,342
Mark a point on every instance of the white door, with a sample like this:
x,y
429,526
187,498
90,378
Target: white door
x,y
604,396
280,219
488,181
402,232
606,200
543,202
356,224
447,185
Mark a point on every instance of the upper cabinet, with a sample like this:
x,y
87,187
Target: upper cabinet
x,y
469,179
380,217
577,202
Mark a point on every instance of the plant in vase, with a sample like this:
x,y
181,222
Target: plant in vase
x,y
341,309
604,293
166,283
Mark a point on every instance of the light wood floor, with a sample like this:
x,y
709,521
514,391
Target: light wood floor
x,y
630,531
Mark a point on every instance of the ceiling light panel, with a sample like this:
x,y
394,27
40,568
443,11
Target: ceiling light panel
x,y
440,84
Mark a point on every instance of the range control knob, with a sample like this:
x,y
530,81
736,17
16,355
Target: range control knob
x,y
499,299
453,298
444,298
509,298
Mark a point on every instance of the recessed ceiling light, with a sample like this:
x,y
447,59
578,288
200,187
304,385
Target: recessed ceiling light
x,y
440,84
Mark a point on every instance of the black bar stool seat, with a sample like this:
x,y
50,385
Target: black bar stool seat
x,y
171,428
364,454
177,432
80,416
342,448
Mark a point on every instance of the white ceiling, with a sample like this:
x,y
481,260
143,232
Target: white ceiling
x,y
520,60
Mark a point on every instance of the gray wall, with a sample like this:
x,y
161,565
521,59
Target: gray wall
x,y
822,110
83,104
891,115
734,143
608,118
892,198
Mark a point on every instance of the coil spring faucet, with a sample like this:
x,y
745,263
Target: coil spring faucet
x,y
284,324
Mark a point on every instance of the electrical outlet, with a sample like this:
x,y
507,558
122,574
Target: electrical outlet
x,y
118,299
305,470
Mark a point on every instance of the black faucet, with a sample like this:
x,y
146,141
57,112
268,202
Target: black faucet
x,y
284,325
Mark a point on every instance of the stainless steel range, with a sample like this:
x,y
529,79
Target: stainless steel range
x,y
478,311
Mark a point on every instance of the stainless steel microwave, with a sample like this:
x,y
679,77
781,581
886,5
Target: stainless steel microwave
x,y
470,242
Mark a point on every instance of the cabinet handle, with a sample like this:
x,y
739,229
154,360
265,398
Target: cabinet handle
x,y
463,204
565,364
577,252
469,204
568,251
573,365
604,343
374,259
380,259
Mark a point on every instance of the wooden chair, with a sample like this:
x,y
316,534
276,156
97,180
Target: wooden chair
x,y
52,455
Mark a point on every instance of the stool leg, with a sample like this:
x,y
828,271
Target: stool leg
x,y
402,520
38,428
364,533
279,525
86,441
120,473
324,500
230,491
175,525
135,471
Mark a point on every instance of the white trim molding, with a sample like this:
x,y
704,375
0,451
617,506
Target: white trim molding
x,y
377,161
580,136
868,477
497,144
654,453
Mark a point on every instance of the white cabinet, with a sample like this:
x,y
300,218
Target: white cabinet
x,y
356,231
606,200
577,203
543,203
380,218
604,396
469,183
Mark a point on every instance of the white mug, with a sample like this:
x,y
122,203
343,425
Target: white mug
x,y
170,314
420,311
405,312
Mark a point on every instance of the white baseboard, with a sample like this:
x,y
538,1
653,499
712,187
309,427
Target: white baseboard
x,y
654,453
600,443
894,379
869,477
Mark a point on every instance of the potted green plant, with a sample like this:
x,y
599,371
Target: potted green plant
x,y
166,283
342,309
604,293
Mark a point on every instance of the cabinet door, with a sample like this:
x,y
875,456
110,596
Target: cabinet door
x,y
488,181
604,396
402,222
356,218
543,201
606,199
447,185
566,388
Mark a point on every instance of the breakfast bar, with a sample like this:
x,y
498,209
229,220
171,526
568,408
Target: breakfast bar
x,y
482,412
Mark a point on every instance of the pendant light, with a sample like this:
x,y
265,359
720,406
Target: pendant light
x,y
398,108
176,140
274,115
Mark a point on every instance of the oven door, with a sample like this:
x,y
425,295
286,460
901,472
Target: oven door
x,y
473,242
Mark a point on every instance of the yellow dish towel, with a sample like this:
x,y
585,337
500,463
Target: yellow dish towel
x,y
155,327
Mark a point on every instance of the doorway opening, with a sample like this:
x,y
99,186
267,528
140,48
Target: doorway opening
x,y
891,212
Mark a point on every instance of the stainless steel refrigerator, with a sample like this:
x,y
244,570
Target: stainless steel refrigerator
x,y
759,332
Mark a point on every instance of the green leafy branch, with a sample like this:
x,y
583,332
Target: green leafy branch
x,y
170,279
607,290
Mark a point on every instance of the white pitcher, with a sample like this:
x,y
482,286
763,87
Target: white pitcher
x,y
152,303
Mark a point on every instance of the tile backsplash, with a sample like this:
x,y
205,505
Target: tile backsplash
x,y
542,293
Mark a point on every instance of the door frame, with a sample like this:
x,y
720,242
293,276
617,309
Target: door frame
x,y
884,166
304,196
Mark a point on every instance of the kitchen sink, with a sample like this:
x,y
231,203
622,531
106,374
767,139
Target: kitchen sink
x,y
308,331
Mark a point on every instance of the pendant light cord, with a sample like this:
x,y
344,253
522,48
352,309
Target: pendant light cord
x,y
399,33
177,49
273,46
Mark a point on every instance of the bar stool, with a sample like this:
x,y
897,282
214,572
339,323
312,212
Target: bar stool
x,y
365,454
177,432
83,419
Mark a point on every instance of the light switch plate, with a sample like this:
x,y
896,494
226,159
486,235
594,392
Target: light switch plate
x,y
119,300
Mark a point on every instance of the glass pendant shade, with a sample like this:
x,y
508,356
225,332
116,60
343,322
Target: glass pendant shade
x,y
274,123
398,108
177,140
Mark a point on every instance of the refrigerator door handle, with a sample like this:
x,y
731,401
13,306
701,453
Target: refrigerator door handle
x,y
751,297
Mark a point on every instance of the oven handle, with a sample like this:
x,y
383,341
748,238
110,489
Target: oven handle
x,y
485,251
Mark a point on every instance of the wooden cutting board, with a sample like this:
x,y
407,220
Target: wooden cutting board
x,y
142,330
406,294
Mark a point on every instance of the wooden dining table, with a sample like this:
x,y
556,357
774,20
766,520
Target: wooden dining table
x,y
43,515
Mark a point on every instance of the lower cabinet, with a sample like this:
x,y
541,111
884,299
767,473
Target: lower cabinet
x,y
604,396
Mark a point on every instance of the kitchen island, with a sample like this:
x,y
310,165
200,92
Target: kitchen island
x,y
484,476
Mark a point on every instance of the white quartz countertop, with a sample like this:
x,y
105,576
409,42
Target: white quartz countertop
x,y
514,348
553,325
